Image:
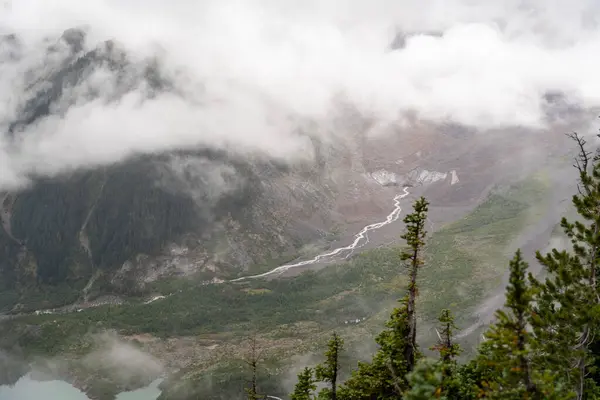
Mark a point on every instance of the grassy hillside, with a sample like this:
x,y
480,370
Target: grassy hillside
x,y
468,258
329,298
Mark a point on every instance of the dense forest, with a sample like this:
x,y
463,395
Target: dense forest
x,y
59,233
543,344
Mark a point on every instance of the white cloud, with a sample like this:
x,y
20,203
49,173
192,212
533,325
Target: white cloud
x,y
250,68
122,361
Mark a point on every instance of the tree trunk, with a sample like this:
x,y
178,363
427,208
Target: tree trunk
x,y
334,376
410,311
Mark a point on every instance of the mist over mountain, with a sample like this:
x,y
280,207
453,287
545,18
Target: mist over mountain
x,y
89,86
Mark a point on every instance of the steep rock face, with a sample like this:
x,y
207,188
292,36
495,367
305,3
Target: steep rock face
x,y
66,73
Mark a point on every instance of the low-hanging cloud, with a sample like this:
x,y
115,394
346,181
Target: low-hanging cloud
x,y
246,73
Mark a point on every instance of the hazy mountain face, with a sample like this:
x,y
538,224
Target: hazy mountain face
x,y
133,131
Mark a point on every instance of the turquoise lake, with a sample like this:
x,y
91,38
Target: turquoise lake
x,y
27,389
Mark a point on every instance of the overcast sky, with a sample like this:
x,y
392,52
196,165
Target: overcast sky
x,y
248,70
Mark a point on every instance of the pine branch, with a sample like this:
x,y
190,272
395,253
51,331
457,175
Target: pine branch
x,y
583,159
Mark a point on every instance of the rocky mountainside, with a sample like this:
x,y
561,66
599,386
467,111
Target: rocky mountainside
x,y
202,212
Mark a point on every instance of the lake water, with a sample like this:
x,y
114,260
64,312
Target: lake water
x,y
27,389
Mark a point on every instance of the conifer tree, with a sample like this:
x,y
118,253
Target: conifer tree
x,y
567,317
305,386
328,371
385,376
415,239
438,379
426,381
507,350
253,359
448,351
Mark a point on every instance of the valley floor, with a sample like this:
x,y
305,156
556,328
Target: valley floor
x,y
291,318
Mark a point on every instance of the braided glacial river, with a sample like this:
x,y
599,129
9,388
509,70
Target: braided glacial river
x,y
360,240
